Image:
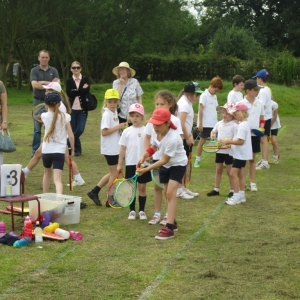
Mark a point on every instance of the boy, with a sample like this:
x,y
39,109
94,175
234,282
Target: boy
x,y
265,96
235,94
207,114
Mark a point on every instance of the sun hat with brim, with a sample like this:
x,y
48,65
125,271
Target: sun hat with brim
x,y
52,98
261,73
239,106
160,116
251,84
53,86
136,107
227,106
123,65
111,94
192,87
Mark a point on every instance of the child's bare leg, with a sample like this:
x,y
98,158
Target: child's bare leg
x,y
218,175
46,179
57,181
171,188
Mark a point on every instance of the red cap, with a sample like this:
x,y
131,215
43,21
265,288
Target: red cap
x,y
160,116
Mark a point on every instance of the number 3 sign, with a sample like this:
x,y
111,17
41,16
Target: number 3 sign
x,y
15,175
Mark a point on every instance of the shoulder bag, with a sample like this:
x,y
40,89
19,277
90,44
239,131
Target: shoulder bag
x,y
91,101
6,143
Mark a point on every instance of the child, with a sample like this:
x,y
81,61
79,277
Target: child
x,y
55,87
131,148
275,125
172,164
187,97
235,94
57,129
256,120
163,99
224,129
207,114
110,136
241,152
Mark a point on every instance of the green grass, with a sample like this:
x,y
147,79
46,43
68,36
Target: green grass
x,y
250,251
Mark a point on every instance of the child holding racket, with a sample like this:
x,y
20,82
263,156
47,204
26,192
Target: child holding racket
x,y
172,163
163,99
131,148
110,136
57,129
224,129
241,152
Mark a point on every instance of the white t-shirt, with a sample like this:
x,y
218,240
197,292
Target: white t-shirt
x,y
234,96
242,152
58,141
265,96
210,104
225,130
133,139
255,110
110,143
62,107
184,105
149,130
171,145
276,124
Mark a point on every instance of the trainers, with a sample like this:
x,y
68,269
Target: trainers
x,y
184,195
263,166
230,194
242,199
164,234
155,220
142,215
233,201
259,163
197,164
94,197
253,187
132,215
213,193
175,227
190,192
163,222
78,182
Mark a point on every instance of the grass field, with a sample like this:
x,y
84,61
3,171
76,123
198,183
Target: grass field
x,y
249,251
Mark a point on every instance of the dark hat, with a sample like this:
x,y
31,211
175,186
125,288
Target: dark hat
x,y
251,84
193,87
262,73
52,98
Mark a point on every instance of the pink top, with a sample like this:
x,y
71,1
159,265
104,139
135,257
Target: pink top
x,y
76,103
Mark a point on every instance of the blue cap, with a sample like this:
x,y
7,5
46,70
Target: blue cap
x,y
262,73
52,98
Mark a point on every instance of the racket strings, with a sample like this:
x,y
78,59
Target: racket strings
x,y
124,193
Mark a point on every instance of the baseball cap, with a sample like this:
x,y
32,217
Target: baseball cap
x,y
251,84
111,94
53,86
239,106
160,116
52,98
262,73
192,87
136,107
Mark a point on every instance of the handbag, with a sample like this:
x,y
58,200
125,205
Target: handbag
x,y
91,101
6,143
119,108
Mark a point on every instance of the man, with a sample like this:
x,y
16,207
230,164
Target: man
x,y
41,75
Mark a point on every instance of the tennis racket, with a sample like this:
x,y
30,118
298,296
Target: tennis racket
x,y
155,177
112,189
213,146
37,111
273,155
258,132
70,170
188,171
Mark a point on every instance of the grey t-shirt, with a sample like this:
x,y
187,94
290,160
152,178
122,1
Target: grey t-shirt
x,y
38,74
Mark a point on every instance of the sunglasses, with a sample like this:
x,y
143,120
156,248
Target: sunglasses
x,y
73,68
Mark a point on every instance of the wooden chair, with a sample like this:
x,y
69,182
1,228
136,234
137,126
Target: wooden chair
x,y
20,198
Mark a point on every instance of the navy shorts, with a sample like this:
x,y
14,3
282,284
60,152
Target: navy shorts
x,y
55,160
205,133
112,159
222,157
130,172
175,173
188,149
267,127
274,131
255,140
238,163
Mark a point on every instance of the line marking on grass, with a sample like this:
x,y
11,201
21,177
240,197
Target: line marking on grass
x,y
160,277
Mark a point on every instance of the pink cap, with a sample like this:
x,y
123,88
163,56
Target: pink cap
x,y
2,229
53,86
136,107
239,106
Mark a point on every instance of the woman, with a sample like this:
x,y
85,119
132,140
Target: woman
x,y
129,89
78,87
3,112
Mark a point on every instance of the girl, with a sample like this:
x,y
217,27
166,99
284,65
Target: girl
x,y
224,129
57,129
110,136
131,148
163,99
172,164
275,125
241,152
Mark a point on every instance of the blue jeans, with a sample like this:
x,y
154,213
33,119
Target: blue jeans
x,y
78,120
36,139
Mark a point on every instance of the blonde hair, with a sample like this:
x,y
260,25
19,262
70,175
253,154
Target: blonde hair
x,y
76,62
169,98
64,99
243,114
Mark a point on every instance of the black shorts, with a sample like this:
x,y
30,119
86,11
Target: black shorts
x,y
238,163
274,131
112,159
55,160
267,127
206,132
188,149
255,140
222,157
130,172
175,173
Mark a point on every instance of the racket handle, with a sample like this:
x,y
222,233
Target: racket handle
x,y
70,151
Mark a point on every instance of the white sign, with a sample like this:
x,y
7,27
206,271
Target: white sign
x,y
14,170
